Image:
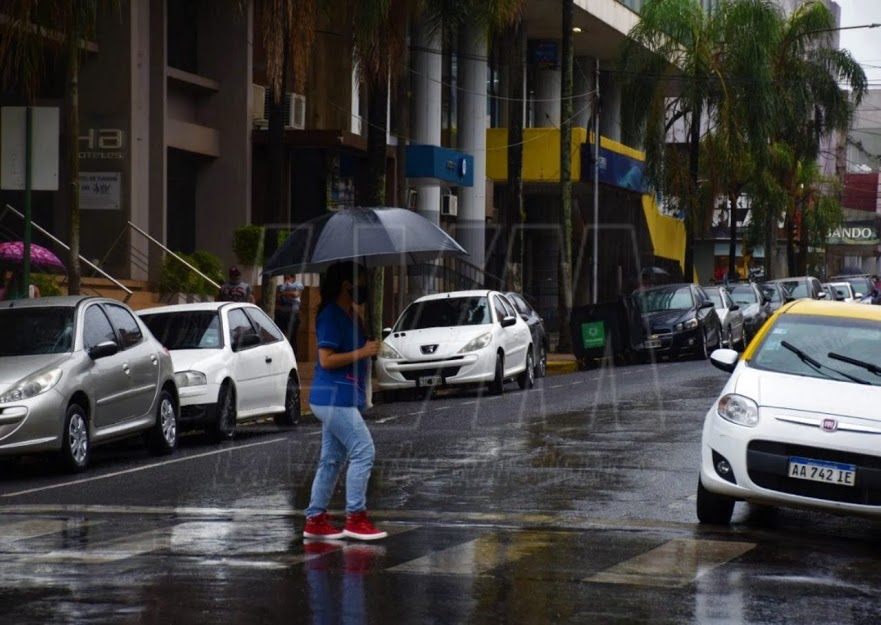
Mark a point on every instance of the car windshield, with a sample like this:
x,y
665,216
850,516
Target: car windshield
x,y
842,291
196,329
860,285
744,295
796,288
715,297
818,337
445,313
657,300
32,331
772,294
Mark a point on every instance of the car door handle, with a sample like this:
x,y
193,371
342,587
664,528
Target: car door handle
x,y
126,369
268,359
154,360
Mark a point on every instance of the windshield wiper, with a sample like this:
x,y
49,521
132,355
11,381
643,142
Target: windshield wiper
x,y
868,366
819,367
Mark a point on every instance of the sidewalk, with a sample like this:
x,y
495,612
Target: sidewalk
x,y
558,364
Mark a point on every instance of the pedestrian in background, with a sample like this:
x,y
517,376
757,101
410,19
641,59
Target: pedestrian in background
x,y
234,290
337,398
11,286
287,308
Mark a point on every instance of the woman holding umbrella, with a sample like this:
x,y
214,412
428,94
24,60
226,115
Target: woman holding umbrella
x,y
337,398
12,288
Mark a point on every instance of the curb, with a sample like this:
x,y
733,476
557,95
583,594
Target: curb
x,y
560,367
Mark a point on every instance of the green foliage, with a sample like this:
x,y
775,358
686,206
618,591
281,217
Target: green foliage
x,y
247,244
47,284
178,278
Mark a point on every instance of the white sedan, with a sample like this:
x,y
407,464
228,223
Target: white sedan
x,y
231,364
798,423
465,337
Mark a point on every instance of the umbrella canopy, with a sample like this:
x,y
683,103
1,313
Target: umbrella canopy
x,y
12,253
376,237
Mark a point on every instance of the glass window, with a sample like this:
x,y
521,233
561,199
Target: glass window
x,y
797,288
97,328
129,330
656,300
818,337
445,313
716,297
268,331
509,309
772,294
198,329
499,308
744,295
239,327
520,304
32,331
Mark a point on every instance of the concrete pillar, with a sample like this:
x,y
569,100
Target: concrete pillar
x,y
610,116
548,83
426,109
471,224
158,145
584,86
140,136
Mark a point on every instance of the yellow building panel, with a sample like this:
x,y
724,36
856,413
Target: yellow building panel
x,y
541,154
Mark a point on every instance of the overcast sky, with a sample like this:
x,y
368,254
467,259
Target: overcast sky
x,y
863,43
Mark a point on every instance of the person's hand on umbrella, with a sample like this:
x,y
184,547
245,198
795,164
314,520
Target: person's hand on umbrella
x,y
370,349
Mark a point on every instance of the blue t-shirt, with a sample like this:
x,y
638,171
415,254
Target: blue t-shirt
x,y
343,386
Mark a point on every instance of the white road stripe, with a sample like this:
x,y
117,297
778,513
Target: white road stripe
x,y
556,386
576,383
34,528
143,468
475,557
674,564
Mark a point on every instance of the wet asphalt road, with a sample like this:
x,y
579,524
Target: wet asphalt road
x,y
573,502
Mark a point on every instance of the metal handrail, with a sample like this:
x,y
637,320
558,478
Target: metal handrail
x,y
86,261
175,256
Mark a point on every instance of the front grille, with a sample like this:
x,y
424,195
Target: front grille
x,y
429,363
444,373
768,462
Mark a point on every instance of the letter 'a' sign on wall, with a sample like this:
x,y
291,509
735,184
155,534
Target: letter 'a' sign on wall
x,y
44,148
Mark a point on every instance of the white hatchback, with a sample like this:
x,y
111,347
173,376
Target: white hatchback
x,y
464,337
798,423
231,364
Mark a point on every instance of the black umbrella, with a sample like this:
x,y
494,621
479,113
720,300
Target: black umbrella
x,y
375,237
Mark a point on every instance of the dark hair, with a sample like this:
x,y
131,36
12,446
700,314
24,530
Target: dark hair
x,y
333,279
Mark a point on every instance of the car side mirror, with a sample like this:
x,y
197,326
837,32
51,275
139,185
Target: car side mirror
x,y
507,322
103,350
250,339
858,295
725,359
734,307
385,333
821,295
707,305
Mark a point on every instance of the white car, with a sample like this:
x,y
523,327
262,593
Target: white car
x,y
798,423
231,364
465,337
844,291
730,316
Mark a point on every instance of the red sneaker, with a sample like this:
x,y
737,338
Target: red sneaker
x,y
319,526
358,526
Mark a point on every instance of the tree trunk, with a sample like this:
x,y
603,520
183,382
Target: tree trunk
x,y
73,85
692,215
565,290
275,212
516,210
373,192
803,240
770,242
732,237
789,228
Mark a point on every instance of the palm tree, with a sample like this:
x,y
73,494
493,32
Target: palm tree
x,y
710,57
34,32
287,31
564,343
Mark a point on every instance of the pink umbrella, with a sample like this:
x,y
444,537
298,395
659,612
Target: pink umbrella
x,y
12,253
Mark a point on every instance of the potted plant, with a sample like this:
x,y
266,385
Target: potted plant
x,y
181,284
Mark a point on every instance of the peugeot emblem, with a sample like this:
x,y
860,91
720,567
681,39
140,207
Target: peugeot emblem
x,y
829,425
429,349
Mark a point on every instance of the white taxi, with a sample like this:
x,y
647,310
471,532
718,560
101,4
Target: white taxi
x,y
464,337
799,421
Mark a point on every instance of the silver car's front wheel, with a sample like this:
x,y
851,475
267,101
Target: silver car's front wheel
x,y
163,437
75,447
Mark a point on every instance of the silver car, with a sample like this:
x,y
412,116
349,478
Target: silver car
x,y
730,315
80,371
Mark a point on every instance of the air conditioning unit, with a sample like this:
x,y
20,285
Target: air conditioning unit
x,y
294,112
449,206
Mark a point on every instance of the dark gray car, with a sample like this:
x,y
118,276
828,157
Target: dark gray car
x,y
536,328
81,371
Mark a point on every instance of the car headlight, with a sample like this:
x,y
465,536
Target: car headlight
x,y
691,324
31,386
477,343
388,352
190,378
739,409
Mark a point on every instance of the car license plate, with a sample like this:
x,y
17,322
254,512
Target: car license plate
x,y
822,471
429,380
653,343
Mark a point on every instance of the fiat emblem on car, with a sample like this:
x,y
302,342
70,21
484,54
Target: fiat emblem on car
x,y
829,425
429,349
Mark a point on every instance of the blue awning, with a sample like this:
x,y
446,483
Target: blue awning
x,y
432,164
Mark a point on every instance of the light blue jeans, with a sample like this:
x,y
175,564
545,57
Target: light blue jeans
x,y
344,435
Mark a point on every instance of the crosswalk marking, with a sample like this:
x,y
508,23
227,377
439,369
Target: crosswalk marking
x,y
673,564
476,557
34,528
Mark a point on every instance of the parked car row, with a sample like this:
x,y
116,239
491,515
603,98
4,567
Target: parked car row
x,y
76,372
463,338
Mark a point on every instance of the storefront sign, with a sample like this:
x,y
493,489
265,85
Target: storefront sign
x,y
102,144
100,191
615,169
855,233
